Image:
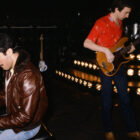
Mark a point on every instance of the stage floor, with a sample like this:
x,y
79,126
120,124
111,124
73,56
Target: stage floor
x,y
75,114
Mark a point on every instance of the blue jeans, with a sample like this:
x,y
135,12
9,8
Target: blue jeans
x,y
120,80
9,134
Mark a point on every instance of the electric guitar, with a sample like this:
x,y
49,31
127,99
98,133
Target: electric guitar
x,y
119,50
42,65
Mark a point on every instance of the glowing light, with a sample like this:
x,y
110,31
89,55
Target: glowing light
x,y
76,80
85,83
138,57
116,105
86,64
115,89
80,81
132,56
69,76
139,72
90,65
94,66
78,62
75,61
59,73
82,63
72,78
130,72
98,87
62,74
65,75
89,84
138,91
78,13
128,89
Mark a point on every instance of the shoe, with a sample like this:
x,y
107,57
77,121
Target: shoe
x,y
135,135
109,136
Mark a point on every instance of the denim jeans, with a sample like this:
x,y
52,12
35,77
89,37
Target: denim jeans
x,y
9,134
120,80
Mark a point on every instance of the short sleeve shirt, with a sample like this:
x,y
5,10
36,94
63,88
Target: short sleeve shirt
x,y
106,32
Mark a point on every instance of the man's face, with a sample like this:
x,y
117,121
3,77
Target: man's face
x,y
124,13
5,61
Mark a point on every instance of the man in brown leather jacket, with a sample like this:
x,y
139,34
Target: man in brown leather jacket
x,y
24,93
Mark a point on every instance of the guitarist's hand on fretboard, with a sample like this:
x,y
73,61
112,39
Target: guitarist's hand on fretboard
x,y
110,64
132,49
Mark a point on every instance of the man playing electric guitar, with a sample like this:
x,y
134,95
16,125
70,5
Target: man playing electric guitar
x,y
120,51
106,32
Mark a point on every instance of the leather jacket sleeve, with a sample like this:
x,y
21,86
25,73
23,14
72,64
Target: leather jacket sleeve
x,y
25,101
2,98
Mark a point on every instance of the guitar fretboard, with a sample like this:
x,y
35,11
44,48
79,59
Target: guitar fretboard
x,y
128,47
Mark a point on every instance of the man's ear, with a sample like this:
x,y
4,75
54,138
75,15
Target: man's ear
x,y
9,52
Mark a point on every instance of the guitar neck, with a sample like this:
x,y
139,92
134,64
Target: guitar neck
x,y
128,47
125,49
41,51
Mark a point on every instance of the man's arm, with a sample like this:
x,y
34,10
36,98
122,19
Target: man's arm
x,y
2,98
94,47
29,96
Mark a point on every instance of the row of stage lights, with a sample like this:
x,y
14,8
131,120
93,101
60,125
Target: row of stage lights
x,y
94,66
74,79
130,71
85,64
133,56
98,87
87,83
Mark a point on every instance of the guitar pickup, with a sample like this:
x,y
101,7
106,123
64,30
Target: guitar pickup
x,y
104,65
118,49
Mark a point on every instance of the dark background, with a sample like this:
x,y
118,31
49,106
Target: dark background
x,y
64,25
58,12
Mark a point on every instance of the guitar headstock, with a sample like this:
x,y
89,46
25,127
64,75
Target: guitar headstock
x,y
41,37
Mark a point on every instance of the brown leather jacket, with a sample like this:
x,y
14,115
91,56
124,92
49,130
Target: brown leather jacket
x,y
27,101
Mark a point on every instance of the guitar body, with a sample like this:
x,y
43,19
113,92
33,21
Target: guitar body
x,y
110,69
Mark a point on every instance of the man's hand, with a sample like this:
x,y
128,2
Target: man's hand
x,y
132,48
109,55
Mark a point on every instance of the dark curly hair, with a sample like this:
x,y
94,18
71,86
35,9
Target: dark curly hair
x,y
120,4
7,41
